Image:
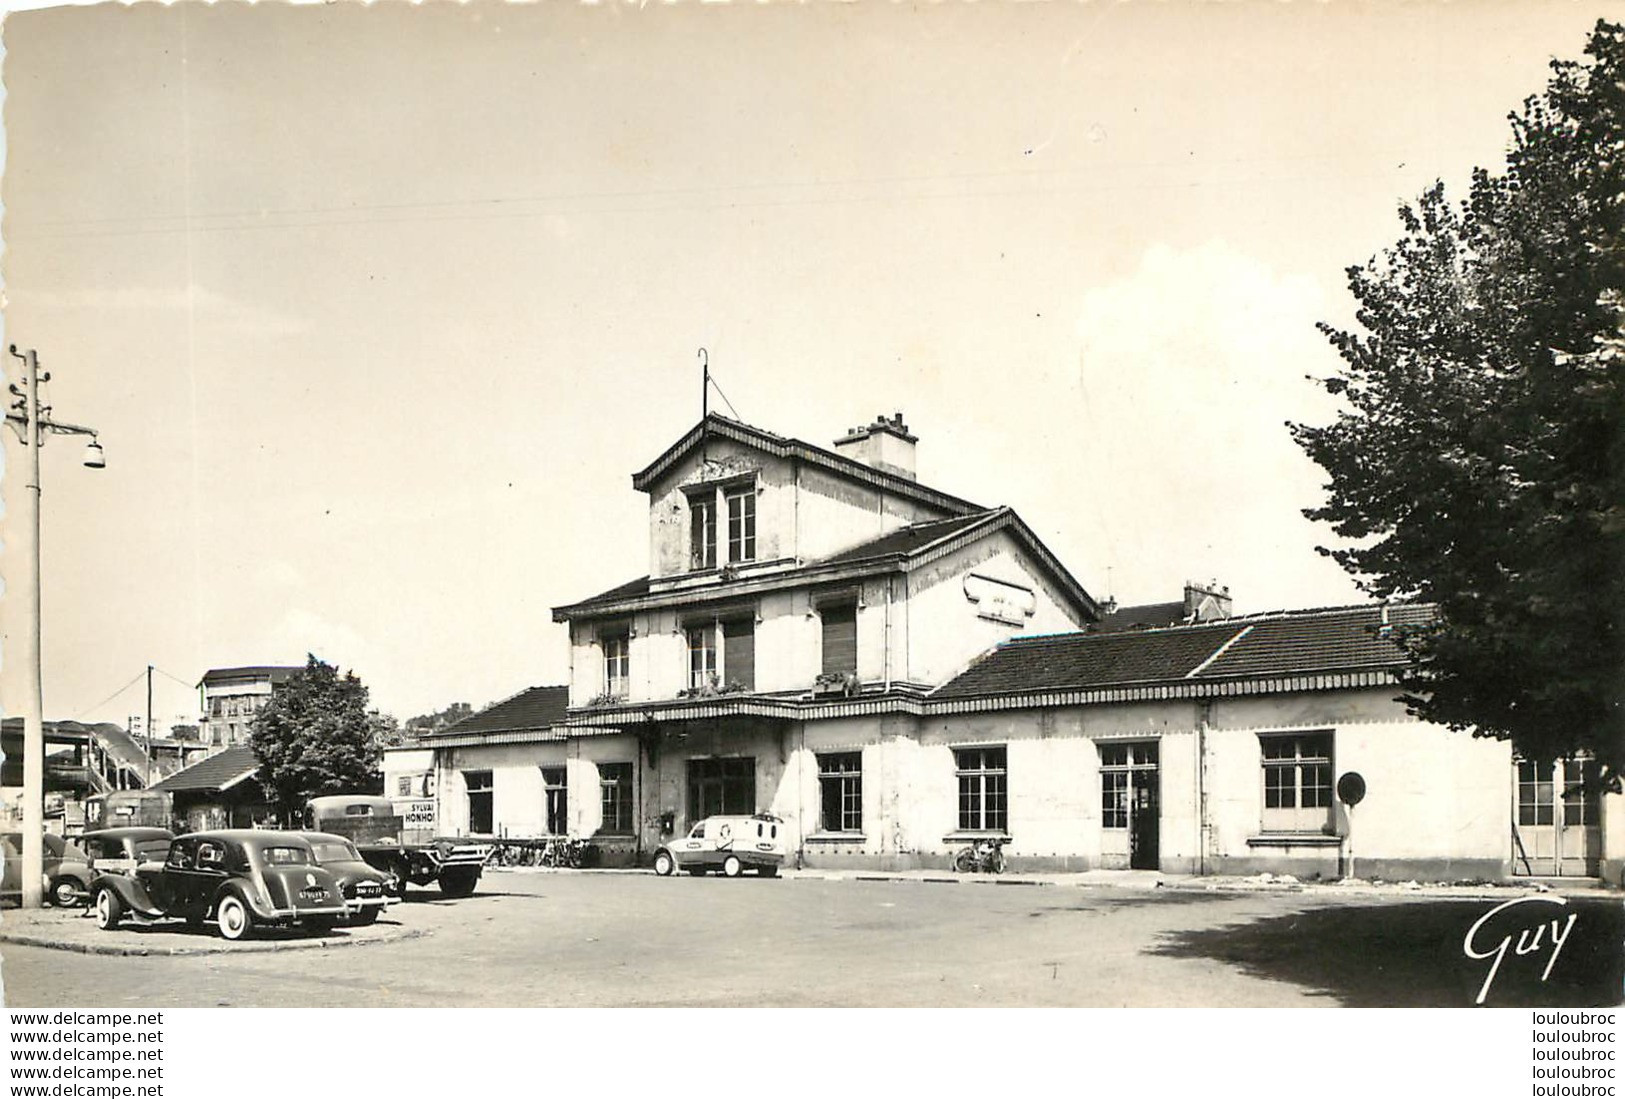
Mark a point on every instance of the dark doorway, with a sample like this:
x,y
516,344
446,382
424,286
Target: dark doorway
x,y
1145,817
1130,805
478,784
555,781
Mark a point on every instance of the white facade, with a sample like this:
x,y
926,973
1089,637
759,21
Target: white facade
x,y
1142,749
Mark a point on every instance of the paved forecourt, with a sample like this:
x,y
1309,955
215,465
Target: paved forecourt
x,y
631,939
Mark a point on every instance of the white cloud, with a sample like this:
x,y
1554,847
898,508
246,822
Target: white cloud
x,y
210,309
1189,368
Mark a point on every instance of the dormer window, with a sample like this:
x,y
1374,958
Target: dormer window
x,y
702,531
707,504
741,523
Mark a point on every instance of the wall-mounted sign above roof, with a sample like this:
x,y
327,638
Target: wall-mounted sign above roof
x,y
999,600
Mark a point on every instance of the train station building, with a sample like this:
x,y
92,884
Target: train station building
x,y
896,671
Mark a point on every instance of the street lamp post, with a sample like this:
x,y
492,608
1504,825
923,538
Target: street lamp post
x,y
32,424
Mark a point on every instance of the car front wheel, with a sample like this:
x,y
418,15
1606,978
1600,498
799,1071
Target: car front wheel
x,y
109,910
64,892
665,865
233,918
731,866
366,916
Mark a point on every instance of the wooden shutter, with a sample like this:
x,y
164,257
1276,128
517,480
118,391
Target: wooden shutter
x,y
840,639
739,653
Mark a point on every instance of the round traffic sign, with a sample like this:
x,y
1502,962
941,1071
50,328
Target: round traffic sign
x,y
1351,788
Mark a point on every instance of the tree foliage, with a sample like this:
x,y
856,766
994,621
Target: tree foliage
x,y
1479,459
440,719
315,737
386,731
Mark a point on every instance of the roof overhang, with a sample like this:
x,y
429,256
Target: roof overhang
x,y
630,717
778,446
244,777
724,592
818,574
494,736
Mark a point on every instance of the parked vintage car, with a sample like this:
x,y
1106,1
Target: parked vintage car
x,y
367,891
728,844
67,871
240,878
121,850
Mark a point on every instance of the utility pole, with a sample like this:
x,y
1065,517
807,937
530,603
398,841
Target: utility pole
x,y
29,420
147,781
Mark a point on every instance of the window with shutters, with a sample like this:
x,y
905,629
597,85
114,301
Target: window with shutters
x,y
840,638
722,652
739,654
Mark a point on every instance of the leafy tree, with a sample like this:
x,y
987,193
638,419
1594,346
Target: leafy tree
x,y
1479,460
386,731
314,737
440,719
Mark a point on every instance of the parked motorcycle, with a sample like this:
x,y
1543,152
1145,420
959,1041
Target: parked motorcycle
x,y
985,856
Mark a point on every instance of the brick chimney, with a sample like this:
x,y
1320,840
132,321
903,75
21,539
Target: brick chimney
x,y
1206,602
884,445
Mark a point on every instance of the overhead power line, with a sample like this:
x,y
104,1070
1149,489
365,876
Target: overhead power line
x,y
139,676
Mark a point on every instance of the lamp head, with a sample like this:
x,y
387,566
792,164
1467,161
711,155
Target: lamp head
x,y
94,458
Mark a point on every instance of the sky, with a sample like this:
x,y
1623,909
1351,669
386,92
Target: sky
x,y
377,310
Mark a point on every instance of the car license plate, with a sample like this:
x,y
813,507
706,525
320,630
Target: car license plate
x,y
315,894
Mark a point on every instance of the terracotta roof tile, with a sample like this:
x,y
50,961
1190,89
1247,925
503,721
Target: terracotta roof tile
x,y
218,770
1143,616
908,539
1285,643
533,708
276,673
1351,638
1084,660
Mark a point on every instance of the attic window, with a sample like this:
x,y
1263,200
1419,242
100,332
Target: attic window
x,y
702,532
734,498
741,523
